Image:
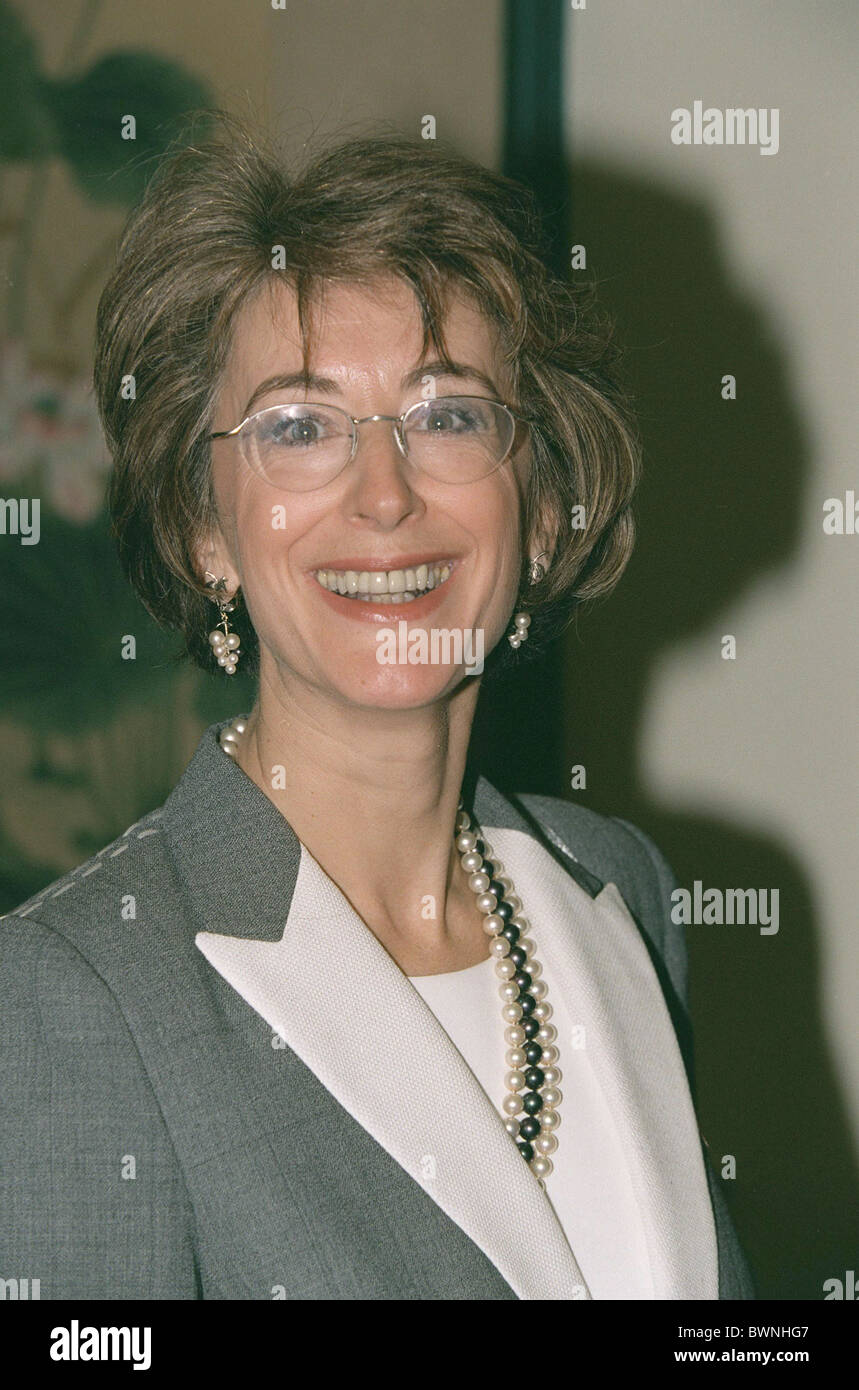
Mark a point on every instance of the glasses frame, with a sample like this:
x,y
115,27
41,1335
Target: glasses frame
x,y
397,421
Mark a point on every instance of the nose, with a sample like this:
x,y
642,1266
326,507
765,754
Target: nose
x,y
381,489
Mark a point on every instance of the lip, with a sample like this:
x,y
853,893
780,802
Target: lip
x,y
365,611
393,562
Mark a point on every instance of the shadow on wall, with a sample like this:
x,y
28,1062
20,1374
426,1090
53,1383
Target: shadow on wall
x,y
721,505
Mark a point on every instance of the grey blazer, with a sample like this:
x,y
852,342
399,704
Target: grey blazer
x,y
217,1084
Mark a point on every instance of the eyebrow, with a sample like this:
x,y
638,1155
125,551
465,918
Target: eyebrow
x,y
288,381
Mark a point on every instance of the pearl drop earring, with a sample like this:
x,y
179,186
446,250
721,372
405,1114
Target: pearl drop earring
x,y
522,621
224,644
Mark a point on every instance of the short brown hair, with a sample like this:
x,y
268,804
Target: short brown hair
x,y
200,243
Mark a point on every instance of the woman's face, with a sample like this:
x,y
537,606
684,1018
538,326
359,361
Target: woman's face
x,y
379,514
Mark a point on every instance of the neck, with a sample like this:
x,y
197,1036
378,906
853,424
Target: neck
x,y
373,795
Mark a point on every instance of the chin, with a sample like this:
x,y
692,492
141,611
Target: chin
x,y
398,687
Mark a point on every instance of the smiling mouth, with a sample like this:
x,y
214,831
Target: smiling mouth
x,y
386,586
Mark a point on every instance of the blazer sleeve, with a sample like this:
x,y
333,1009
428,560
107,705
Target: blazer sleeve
x,y
92,1200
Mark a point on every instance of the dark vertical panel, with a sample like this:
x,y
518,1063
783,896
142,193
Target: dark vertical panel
x,y
518,740
533,145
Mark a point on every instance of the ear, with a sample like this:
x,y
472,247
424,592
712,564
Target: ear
x,y
544,537
212,555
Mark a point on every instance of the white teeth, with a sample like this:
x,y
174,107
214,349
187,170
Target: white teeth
x,y
386,586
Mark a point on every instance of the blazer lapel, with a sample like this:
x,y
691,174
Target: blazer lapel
x,y
415,1095
594,954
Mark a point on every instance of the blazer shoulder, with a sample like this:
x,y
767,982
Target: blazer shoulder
x,y
93,897
613,850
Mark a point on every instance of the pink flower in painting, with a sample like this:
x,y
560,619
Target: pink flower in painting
x,y
50,437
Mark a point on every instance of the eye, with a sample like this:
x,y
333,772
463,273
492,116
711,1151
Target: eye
x,y
454,416
294,428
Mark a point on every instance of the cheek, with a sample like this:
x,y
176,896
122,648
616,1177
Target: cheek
x,y
258,522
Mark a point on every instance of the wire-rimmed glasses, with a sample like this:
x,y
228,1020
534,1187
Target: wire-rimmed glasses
x,y
301,446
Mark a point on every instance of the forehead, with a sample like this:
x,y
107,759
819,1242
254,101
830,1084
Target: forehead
x,y
358,332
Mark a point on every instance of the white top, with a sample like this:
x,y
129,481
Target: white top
x,y
590,1187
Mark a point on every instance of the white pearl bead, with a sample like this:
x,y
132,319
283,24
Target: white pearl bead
x,y
509,990
493,922
463,820
551,1096
549,1119
512,1127
546,1143
472,861
486,902
515,1035
222,660
216,638
240,725
230,668
543,1010
546,1034
511,1013
514,1080
512,1104
466,841
551,1076
233,641
499,946
549,1056
505,970
478,883
538,989
541,1166
522,620
515,1057
515,641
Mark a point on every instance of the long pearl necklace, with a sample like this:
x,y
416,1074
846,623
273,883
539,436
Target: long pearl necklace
x,y
531,1103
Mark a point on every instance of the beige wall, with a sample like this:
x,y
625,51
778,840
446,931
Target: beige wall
x,y
769,744
390,62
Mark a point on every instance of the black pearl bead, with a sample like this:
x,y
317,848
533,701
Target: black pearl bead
x,y
496,888
518,956
534,1078
528,1004
530,1128
510,932
523,980
525,1149
504,910
532,1102
530,1026
533,1053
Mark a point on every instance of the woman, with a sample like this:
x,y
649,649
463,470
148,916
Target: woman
x,y
340,1020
